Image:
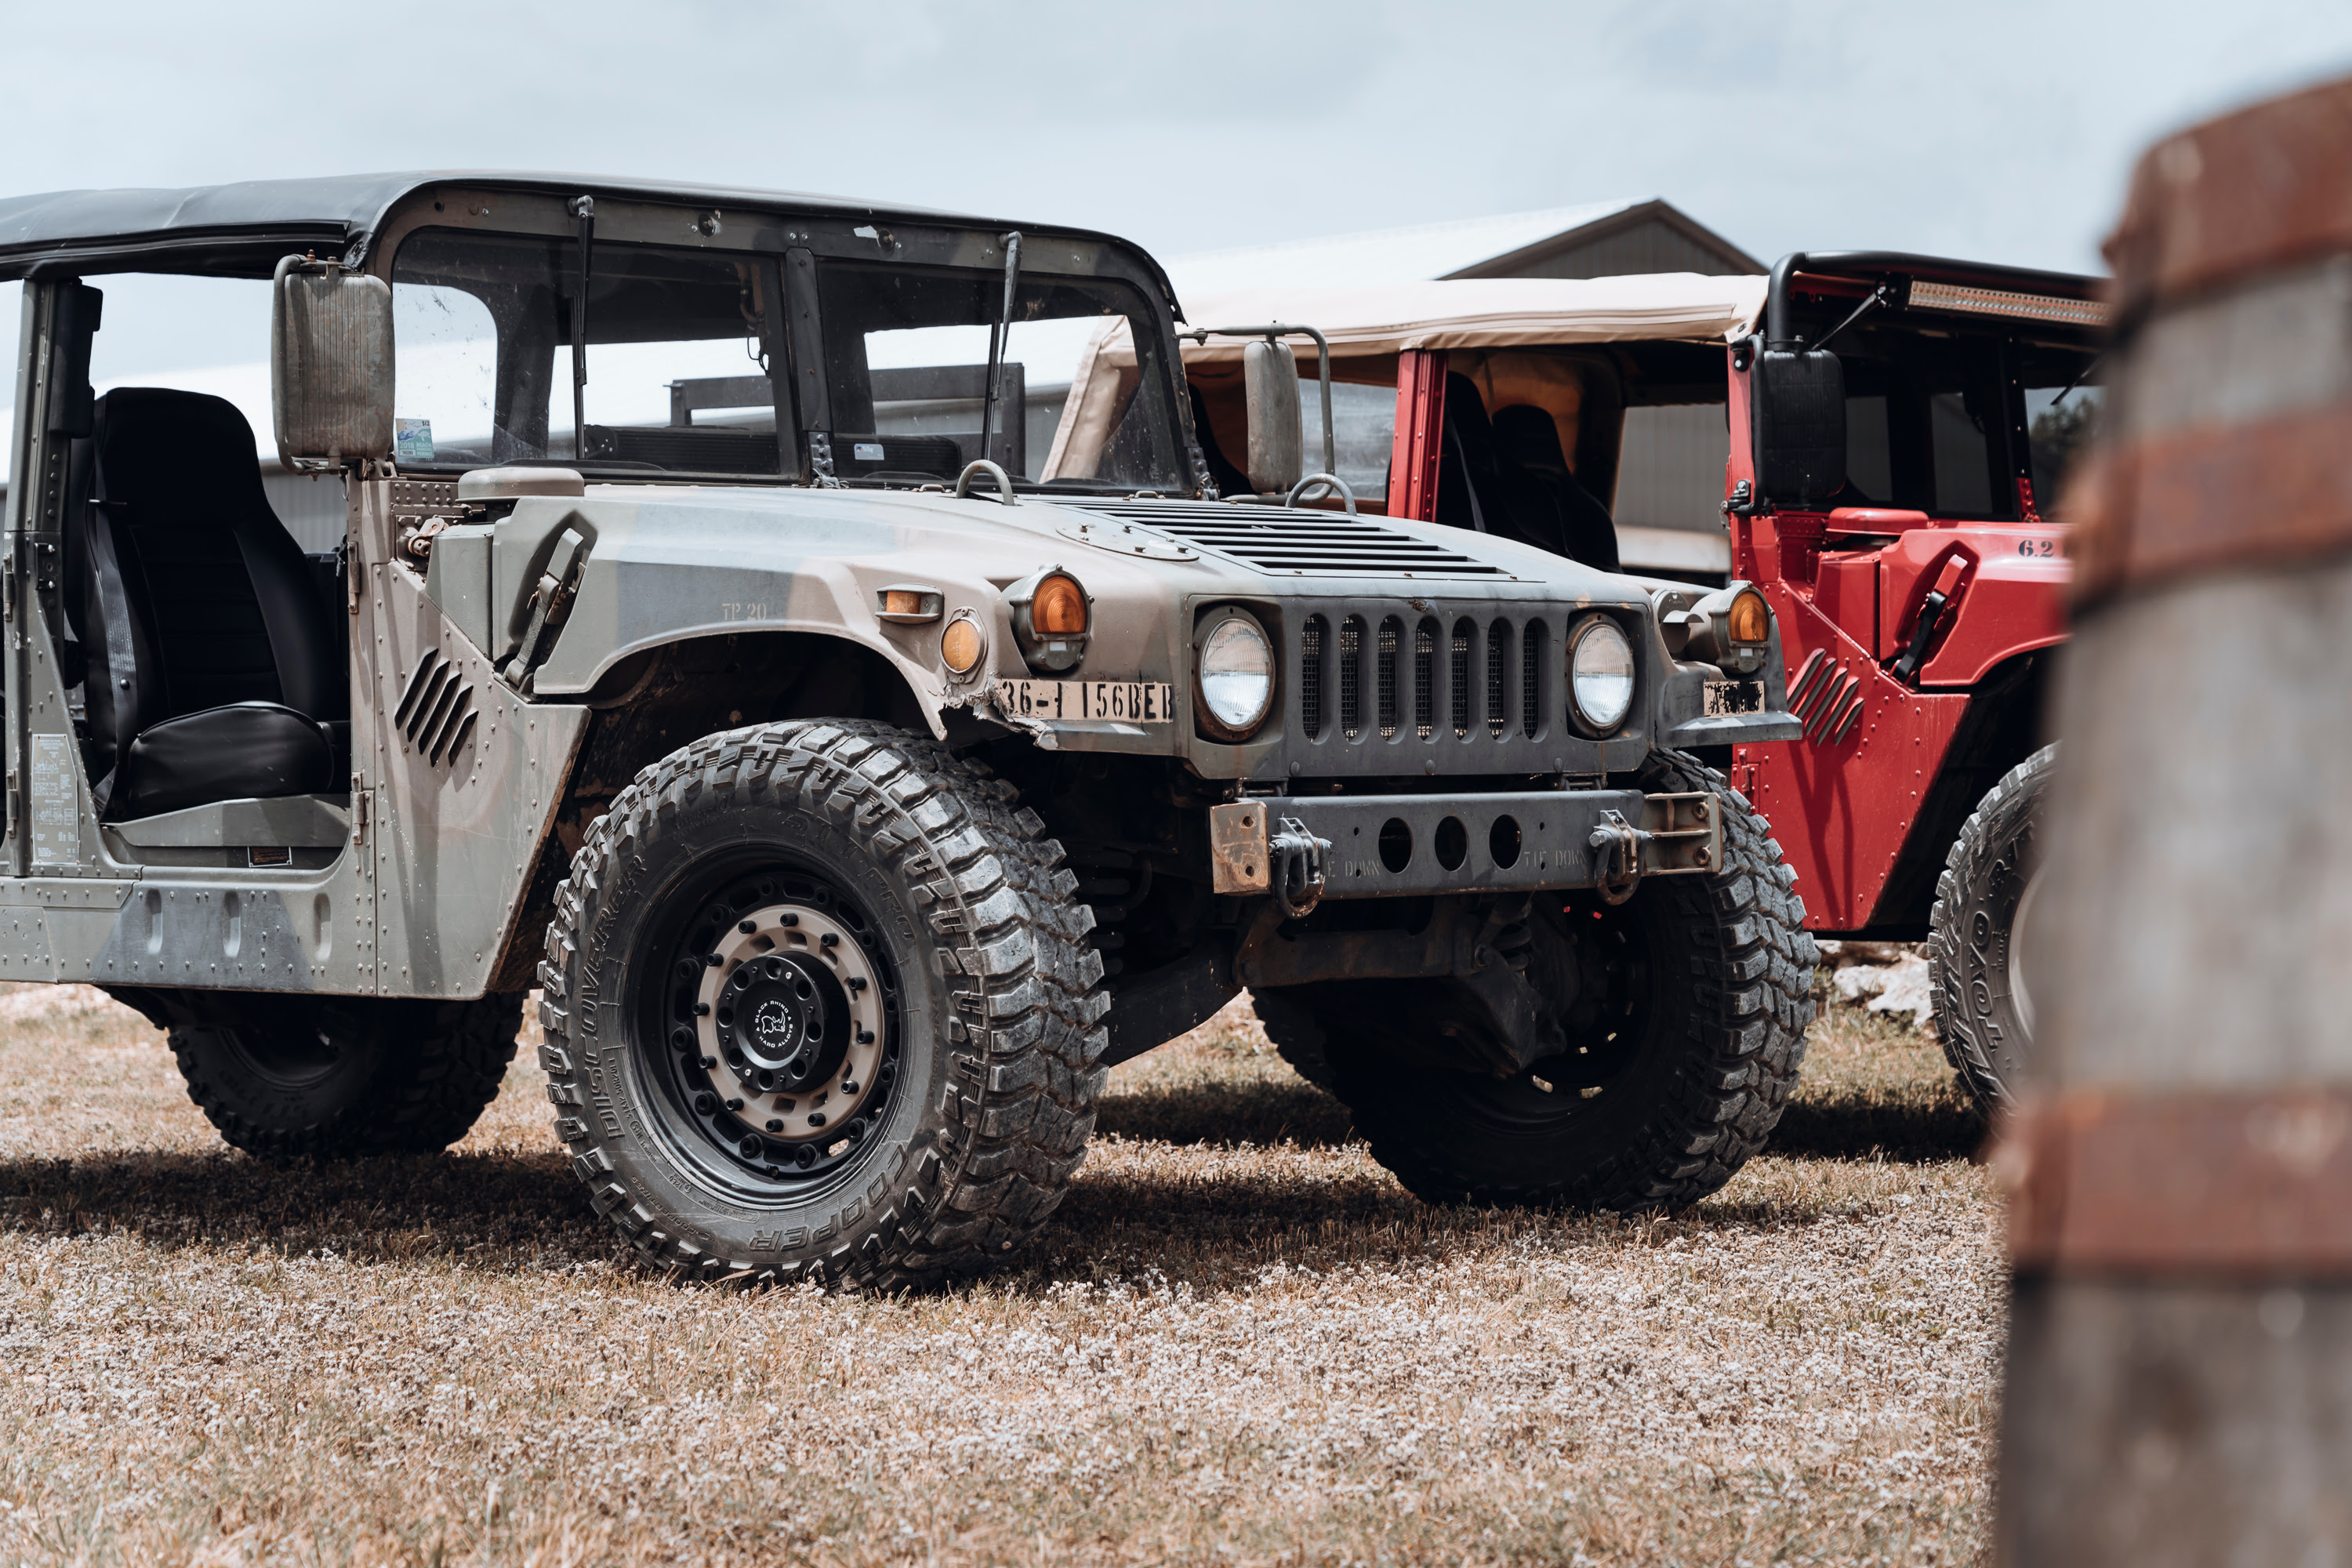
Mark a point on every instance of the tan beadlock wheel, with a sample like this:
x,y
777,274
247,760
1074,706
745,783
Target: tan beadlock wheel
x,y
790,1022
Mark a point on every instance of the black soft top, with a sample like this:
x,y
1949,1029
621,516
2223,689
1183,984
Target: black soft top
x,y
241,230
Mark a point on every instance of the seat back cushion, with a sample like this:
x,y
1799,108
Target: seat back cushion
x,y
216,585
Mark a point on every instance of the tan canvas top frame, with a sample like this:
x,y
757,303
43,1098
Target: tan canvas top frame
x,y
1374,322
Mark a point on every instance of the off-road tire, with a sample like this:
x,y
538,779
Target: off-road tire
x,y
1296,1035
1000,1008
333,1078
1721,967
1988,1035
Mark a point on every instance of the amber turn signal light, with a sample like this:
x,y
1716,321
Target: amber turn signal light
x,y
902,602
1059,610
1750,621
962,644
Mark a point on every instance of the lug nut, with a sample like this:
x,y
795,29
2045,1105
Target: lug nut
x,y
702,1009
709,1062
864,1036
788,920
712,961
816,1119
849,1085
829,940
733,1104
775,1124
856,983
747,927
752,1148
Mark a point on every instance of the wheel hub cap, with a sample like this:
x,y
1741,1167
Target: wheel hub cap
x,y
789,1022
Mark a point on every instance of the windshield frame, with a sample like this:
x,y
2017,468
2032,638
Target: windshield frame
x,y
796,240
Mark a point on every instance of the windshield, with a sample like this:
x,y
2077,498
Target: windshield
x,y
680,349
1962,423
906,357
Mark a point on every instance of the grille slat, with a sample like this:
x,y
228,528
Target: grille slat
x,y
1352,676
1499,646
1388,677
1459,709
1531,667
1424,679
1310,678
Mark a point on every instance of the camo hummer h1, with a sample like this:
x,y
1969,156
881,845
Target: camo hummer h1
x,y
743,636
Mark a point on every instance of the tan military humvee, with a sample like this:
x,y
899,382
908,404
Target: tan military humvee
x,y
742,634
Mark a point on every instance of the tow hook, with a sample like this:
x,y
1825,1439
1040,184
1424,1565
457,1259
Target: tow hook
x,y
1297,860
1620,843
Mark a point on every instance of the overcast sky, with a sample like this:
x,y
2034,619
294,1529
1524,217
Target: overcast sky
x,y
1999,131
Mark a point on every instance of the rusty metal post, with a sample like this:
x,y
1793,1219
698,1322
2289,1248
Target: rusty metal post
x,y
2180,1381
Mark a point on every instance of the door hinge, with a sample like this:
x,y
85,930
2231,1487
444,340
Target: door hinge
x,y
359,798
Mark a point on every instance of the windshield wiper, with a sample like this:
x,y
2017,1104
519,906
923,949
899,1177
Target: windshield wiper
x,y
999,331
584,209
1885,296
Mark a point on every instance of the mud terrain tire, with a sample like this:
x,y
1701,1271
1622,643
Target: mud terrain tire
x,y
1682,1071
990,1028
337,1077
1982,1014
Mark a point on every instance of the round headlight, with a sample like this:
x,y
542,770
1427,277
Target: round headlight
x,y
1236,676
1600,675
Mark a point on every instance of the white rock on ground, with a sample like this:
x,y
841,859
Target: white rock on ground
x,y
1897,987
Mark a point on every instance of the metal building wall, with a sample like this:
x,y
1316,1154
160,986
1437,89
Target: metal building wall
x,y
1649,247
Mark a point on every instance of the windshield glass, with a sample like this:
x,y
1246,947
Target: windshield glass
x,y
680,349
1957,420
906,357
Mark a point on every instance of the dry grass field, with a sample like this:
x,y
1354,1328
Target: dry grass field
x,y
1238,1343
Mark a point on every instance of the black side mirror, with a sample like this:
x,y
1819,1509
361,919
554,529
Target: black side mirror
x,y
1800,413
79,307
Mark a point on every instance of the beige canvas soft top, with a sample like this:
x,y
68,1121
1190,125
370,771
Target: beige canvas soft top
x,y
1488,312
1374,319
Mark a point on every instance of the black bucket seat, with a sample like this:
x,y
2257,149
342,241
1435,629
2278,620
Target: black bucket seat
x,y
1528,439
213,668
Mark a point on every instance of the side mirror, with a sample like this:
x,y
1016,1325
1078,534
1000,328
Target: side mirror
x,y
329,363
1276,443
1799,403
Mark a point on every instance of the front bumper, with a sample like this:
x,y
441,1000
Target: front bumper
x,y
1400,846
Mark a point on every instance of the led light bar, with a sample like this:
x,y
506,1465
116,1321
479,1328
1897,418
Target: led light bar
x,y
2003,302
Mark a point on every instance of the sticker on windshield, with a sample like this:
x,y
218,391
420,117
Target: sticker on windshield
x,y
412,440
866,451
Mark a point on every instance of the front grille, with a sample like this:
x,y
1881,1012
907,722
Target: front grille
x,y
1294,543
1423,688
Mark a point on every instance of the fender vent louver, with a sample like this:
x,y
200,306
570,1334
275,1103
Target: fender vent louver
x,y
1826,698
436,709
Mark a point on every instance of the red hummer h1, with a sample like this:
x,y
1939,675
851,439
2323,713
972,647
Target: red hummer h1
x,y
1882,434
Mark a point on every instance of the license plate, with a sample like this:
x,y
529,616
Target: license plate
x,y
1130,701
1725,698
